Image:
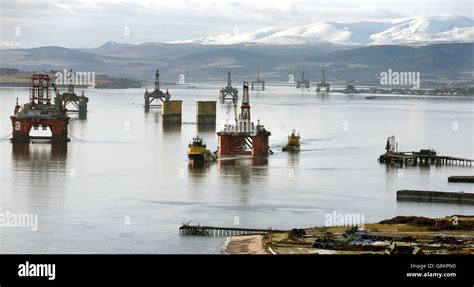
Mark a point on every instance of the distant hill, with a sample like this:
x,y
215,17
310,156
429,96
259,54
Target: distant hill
x,y
441,61
53,58
437,62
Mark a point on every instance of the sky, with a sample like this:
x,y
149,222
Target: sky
x,y
85,24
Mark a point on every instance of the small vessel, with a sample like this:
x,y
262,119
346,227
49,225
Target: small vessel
x,y
372,97
197,151
293,142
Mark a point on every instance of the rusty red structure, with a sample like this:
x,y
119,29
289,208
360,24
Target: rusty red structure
x,y
39,112
243,138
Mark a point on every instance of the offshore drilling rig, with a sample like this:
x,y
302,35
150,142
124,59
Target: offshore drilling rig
x,y
64,100
229,91
258,83
302,83
243,138
40,112
322,85
157,94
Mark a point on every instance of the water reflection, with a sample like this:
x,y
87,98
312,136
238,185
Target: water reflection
x,y
293,159
39,153
244,170
171,129
228,108
209,130
198,170
322,95
153,115
39,164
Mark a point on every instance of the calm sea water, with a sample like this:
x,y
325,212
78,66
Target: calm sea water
x,y
123,183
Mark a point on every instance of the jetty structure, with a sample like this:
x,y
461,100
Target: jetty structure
x,y
156,94
322,86
188,229
258,83
461,178
435,196
244,137
40,112
229,92
423,157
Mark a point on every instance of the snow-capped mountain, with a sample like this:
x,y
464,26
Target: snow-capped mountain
x,y
234,38
417,30
424,29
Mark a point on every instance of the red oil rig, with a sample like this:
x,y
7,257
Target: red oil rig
x,y
243,138
40,112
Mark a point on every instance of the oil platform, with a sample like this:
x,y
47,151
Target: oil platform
x,y
65,100
40,112
229,92
258,83
322,86
157,94
302,83
243,138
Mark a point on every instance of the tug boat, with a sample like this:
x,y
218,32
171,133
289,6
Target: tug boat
x,y
293,142
197,151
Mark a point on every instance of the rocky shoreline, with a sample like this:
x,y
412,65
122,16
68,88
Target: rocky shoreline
x,y
399,235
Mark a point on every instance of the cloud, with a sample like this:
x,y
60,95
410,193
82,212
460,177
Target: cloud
x,y
85,23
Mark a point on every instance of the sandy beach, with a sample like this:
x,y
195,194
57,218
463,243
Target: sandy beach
x,y
245,244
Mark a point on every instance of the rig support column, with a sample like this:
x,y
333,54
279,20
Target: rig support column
x,y
206,112
171,112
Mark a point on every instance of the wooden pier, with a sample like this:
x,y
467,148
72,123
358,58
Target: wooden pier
x,y
187,229
435,196
461,178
